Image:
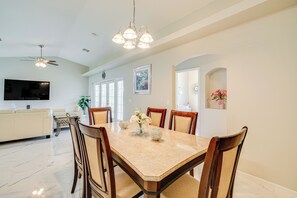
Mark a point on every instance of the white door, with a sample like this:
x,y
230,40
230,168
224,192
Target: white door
x,y
110,94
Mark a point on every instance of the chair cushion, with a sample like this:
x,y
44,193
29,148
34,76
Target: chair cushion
x,y
156,118
182,124
93,157
125,186
100,117
186,186
227,169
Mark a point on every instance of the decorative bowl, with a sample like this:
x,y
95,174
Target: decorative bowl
x,y
156,134
124,124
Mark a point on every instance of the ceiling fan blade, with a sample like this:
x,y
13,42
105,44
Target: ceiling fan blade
x,y
53,64
52,61
26,60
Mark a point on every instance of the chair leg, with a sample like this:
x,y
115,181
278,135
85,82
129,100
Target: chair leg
x,y
192,172
88,189
74,178
138,195
84,195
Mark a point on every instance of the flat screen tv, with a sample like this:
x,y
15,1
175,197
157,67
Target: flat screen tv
x,y
26,90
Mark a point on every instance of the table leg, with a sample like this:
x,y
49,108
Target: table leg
x,y
58,129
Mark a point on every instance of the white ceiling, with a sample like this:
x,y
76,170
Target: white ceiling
x,y
66,27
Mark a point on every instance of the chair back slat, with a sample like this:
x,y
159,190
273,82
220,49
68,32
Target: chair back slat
x,y
95,161
100,115
182,124
183,121
97,155
75,137
218,174
157,116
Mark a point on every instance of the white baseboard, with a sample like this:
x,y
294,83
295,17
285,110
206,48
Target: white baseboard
x,y
278,190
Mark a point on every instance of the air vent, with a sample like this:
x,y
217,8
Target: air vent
x,y
86,50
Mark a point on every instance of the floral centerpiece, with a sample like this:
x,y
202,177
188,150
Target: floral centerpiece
x,y
220,96
140,119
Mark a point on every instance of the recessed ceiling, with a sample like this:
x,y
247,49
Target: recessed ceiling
x,y
66,27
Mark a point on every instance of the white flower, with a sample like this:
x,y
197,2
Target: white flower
x,y
140,118
133,118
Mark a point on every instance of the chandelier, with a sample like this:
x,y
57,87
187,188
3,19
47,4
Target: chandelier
x,y
133,37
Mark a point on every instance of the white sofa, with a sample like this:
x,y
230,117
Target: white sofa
x,y
26,123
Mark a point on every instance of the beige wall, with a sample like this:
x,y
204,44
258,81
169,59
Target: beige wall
x,y
261,63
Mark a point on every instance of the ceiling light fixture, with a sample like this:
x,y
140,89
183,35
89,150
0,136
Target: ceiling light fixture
x,y
132,37
40,61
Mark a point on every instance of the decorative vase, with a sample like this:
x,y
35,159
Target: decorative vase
x,y
221,104
140,129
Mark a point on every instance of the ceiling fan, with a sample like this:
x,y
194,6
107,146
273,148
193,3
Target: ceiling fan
x,y
41,61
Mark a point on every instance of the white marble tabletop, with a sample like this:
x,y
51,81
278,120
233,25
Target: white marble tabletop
x,y
154,160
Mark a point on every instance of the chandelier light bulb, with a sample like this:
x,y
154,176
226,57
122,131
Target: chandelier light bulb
x,y
118,38
146,38
130,33
143,45
129,45
43,65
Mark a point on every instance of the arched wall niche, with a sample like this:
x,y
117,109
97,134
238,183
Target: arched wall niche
x,y
207,116
215,79
195,61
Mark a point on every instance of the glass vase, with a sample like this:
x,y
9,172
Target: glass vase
x,y
140,129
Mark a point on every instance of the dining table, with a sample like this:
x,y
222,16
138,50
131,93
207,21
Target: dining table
x,y
154,165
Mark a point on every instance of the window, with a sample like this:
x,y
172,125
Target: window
x,y
120,100
103,95
111,98
96,95
110,93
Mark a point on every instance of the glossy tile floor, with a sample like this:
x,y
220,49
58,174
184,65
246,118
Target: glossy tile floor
x,y
44,168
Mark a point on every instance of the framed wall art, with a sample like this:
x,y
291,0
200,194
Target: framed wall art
x,y
142,79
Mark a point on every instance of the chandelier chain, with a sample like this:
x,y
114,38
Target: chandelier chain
x,y
134,12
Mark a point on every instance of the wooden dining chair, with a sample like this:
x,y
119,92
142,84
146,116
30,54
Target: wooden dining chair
x,y
77,151
100,115
218,174
183,121
102,179
157,116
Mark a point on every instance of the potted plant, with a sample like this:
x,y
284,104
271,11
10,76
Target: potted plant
x,y
84,102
